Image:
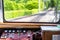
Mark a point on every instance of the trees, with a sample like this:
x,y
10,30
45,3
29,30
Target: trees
x,y
28,4
32,5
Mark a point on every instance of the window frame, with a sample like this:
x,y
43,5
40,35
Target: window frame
x,y
24,22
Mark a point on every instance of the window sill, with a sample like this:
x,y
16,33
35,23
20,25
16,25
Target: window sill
x,y
24,25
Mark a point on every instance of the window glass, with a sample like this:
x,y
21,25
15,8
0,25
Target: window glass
x,y
31,10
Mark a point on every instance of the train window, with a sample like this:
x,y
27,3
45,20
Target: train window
x,y
31,10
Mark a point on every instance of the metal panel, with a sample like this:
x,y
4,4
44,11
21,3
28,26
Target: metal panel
x,y
56,37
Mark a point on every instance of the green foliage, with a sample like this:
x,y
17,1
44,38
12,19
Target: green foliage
x,y
17,13
13,14
50,3
58,5
32,5
12,5
27,12
18,8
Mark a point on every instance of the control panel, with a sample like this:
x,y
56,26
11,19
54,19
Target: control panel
x,y
21,34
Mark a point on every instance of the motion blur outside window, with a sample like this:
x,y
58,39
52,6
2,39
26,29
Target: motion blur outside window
x,y
31,10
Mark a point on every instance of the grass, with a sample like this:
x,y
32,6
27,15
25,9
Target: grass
x,y
19,13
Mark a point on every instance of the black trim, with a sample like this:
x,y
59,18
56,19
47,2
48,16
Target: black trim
x,y
3,11
25,22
